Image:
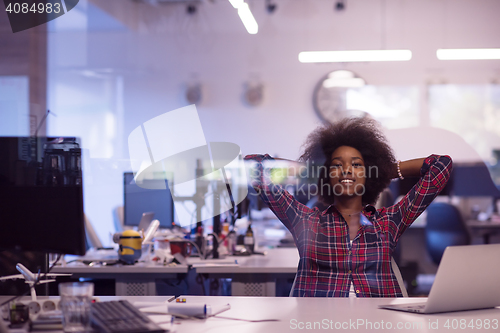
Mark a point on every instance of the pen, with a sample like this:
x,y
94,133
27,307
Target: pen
x,y
224,308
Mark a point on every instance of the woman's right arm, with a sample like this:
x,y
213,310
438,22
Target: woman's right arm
x,y
286,208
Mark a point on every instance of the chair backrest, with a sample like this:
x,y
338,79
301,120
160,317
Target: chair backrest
x,y
399,277
92,238
445,227
118,218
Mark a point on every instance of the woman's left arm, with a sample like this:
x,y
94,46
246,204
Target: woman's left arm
x,y
434,172
410,168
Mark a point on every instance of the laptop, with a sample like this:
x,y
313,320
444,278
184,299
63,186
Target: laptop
x,y
145,220
467,279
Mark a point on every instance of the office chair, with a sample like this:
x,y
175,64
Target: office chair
x,y
91,236
119,218
445,227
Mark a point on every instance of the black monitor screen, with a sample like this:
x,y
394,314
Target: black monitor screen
x,y
473,180
41,197
138,200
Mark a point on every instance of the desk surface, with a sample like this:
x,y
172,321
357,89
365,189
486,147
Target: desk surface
x,y
323,314
483,224
140,268
276,261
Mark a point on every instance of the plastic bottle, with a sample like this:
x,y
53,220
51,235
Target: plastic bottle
x,y
231,242
200,240
249,240
223,248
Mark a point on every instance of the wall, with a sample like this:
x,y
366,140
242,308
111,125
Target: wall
x,y
115,64
24,55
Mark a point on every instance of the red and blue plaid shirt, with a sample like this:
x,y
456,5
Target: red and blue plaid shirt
x,y
328,262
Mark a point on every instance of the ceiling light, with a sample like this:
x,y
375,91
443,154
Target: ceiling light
x,y
236,3
247,18
355,56
468,54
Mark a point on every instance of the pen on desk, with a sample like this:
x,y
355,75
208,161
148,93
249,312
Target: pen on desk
x,y
224,308
172,298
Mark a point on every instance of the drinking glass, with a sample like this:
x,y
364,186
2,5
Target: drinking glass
x,y
76,298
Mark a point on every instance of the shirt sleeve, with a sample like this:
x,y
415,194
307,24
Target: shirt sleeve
x,y
434,174
286,208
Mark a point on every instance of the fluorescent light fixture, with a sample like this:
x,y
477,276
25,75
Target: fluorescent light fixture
x,y
355,56
247,18
236,3
468,54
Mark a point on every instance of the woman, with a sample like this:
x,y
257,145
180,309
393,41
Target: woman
x,y
346,249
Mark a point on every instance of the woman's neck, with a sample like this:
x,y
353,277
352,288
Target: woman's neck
x,y
348,205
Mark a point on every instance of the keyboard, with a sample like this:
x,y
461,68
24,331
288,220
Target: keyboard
x,y
121,316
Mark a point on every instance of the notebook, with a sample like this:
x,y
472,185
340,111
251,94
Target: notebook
x,y
467,279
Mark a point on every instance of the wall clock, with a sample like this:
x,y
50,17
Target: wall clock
x,y
329,97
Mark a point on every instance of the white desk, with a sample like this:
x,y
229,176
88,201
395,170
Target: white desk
x,y
130,280
276,261
484,228
254,275
295,314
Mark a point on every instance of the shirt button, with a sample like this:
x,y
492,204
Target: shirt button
x,y
357,291
349,272
350,252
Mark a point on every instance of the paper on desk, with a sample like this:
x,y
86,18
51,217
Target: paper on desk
x,y
164,321
215,263
161,319
159,309
140,305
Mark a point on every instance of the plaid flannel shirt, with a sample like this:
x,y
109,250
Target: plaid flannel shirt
x,y
328,262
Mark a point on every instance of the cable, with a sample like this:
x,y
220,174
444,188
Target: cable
x,y
247,320
37,282
202,255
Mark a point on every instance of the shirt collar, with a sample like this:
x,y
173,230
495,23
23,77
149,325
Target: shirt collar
x,y
368,210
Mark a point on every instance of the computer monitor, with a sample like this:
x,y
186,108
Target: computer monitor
x,y
138,200
473,180
41,197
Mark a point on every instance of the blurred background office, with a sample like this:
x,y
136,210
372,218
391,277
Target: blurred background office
x,y
107,66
